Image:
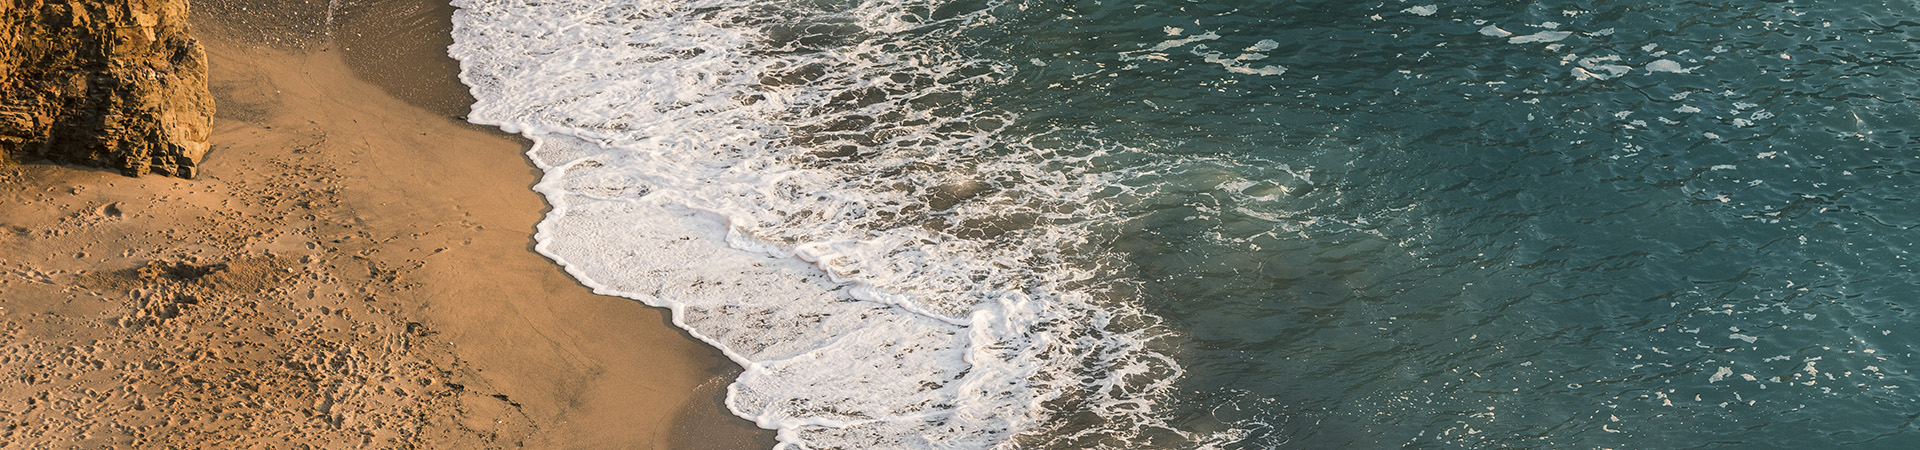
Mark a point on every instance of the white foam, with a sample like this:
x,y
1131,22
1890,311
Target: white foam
x,y
1667,65
1601,67
724,159
1238,64
1544,36
1172,43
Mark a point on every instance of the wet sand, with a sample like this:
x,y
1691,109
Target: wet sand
x,y
352,269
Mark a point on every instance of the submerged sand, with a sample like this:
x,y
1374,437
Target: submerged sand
x,y
352,269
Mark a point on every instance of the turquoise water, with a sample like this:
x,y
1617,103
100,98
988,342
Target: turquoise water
x,y
1256,224
1422,235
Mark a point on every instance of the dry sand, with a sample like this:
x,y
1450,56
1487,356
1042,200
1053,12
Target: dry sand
x,y
350,270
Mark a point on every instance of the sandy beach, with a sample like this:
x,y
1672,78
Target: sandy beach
x,y
352,268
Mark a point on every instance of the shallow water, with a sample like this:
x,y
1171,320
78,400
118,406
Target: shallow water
x,y
1246,225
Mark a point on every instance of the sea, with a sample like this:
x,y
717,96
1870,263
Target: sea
x,y
1246,224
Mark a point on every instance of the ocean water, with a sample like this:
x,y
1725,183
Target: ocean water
x,y
1245,224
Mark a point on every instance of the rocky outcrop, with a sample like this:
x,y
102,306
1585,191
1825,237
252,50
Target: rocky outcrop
x,y
109,83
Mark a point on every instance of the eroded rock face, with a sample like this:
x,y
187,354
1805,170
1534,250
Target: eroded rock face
x,y
109,83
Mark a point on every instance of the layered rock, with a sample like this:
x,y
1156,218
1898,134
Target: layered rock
x,y
109,83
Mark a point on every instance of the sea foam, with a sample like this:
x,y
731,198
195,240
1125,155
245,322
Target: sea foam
x,y
808,190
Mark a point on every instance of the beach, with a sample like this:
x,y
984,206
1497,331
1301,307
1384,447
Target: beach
x,y
352,267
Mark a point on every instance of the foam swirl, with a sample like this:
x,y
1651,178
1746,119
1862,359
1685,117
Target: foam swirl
x,y
807,188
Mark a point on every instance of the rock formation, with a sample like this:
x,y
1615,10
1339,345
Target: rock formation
x,y
108,83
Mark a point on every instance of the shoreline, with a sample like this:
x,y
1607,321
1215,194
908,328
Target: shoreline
x,y
349,269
